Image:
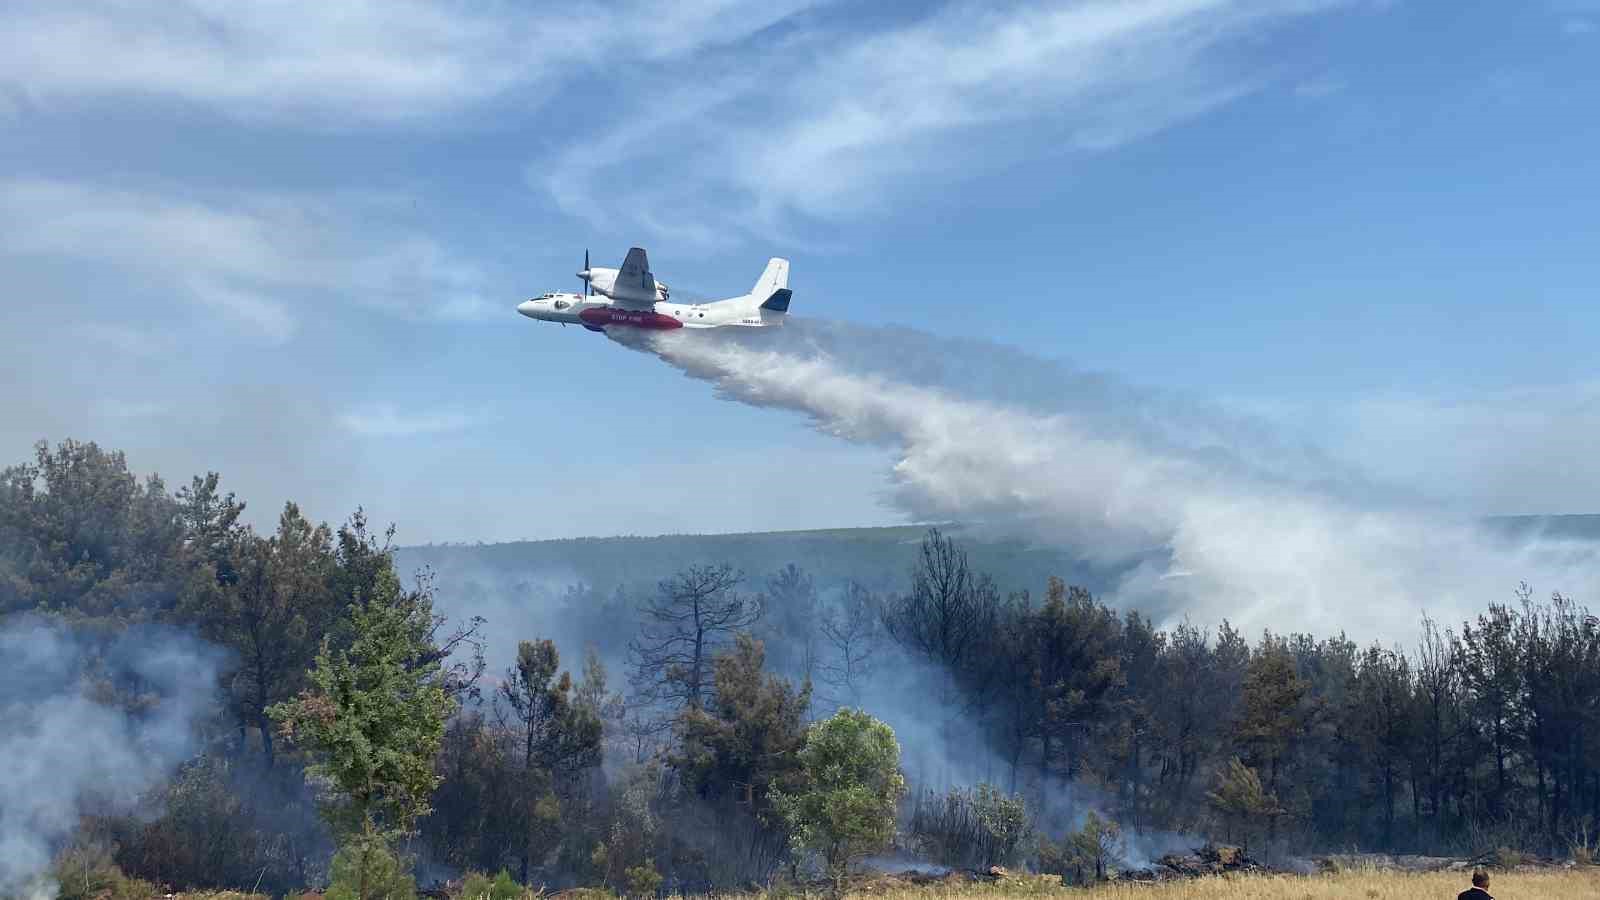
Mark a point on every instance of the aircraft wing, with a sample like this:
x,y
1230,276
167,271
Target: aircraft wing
x,y
635,286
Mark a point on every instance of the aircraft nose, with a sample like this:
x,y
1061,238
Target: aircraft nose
x,y
526,307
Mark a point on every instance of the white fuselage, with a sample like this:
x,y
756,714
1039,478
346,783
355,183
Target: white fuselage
x,y
569,309
630,297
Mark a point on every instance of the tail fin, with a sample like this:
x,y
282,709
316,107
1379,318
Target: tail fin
x,y
772,288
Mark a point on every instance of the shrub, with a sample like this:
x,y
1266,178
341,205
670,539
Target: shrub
x,y
387,879
1509,857
1004,819
86,872
643,881
631,840
1583,843
478,886
505,887
1089,854
475,886
960,829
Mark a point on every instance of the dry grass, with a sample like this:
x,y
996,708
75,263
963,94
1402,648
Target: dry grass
x,y
1575,884
1369,886
1582,883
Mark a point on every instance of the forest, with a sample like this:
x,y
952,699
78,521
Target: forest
x,y
670,739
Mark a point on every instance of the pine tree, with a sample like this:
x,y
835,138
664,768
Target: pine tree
x,y
1241,799
1271,718
559,737
374,720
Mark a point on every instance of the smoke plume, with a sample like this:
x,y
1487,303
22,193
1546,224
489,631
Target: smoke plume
x,y
90,726
1205,513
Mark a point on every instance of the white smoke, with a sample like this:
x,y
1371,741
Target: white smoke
x,y
68,751
1245,526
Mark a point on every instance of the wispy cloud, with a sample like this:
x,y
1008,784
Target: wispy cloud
x,y
256,259
816,120
824,121
391,421
128,340
343,64
1576,27
255,312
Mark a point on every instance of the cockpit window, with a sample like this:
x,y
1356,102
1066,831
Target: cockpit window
x,y
562,304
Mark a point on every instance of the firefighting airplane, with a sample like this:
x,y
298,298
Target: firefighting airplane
x,y
631,297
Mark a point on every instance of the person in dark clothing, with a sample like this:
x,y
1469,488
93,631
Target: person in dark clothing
x,y
1479,889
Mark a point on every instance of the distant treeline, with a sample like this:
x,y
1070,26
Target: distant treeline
x,y
1480,735
874,558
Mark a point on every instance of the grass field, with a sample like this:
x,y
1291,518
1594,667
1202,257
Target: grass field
x,y
1575,884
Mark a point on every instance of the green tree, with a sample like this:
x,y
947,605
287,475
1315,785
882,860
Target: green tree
x,y
593,695
1004,819
744,743
1242,800
374,720
211,525
643,881
1097,847
1078,672
1193,703
477,886
559,737
473,823
81,536
740,750
267,600
851,783
1440,714
454,659
557,733
368,869
1492,673
631,840
1381,715
1134,741
1015,699
1271,716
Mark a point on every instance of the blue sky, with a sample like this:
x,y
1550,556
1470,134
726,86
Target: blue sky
x,y
286,243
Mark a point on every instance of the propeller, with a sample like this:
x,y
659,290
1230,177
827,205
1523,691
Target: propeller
x,y
584,275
